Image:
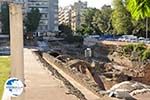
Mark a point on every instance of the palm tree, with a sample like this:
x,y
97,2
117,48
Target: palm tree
x,y
139,9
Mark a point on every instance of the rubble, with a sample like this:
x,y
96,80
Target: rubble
x,y
121,95
79,70
128,88
112,72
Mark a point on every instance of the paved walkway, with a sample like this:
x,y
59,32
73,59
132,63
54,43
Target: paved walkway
x,y
41,85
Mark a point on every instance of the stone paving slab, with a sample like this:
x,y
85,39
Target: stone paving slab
x,y
40,84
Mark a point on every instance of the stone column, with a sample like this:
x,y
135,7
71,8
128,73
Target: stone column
x,y
16,42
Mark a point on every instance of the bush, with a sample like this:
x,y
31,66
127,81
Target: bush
x,y
141,47
146,54
128,48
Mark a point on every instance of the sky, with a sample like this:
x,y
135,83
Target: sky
x,y
91,3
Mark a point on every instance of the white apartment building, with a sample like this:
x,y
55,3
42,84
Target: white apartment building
x,y
64,15
77,12
72,15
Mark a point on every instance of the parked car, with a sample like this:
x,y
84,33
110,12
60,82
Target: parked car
x,y
122,39
4,51
141,39
128,38
97,37
147,41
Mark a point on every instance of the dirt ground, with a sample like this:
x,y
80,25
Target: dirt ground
x,y
145,96
118,43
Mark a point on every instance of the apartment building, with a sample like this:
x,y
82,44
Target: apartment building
x,y
64,15
49,11
72,15
77,12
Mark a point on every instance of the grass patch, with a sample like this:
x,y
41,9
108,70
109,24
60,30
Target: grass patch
x,y
4,72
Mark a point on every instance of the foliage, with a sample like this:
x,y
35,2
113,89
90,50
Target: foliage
x,y
139,9
68,35
103,19
117,20
5,18
146,54
134,47
96,21
32,20
88,25
4,72
121,19
138,26
65,29
84,29
128,48
140,49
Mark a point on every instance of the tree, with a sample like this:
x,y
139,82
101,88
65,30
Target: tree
x,y
121,19
5,18
88,16
65,29
139,9
103,19
84,29
88,26
139,27
32,20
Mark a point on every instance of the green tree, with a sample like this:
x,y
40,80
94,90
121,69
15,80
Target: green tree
x,y
121,19
88,16
32,20
65,30
5,18
139,9
103,19
88,26
139,27
84,29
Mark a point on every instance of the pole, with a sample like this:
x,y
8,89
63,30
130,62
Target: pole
x,y
146,27
16,39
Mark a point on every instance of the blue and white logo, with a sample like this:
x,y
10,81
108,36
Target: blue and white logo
x,y
14,87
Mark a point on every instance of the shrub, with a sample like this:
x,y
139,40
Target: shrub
x,y
146,54
141,47
128,48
